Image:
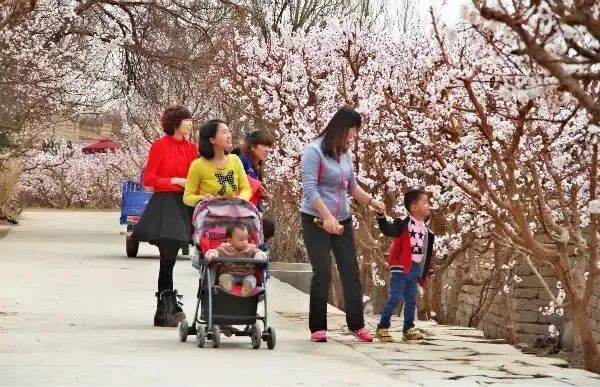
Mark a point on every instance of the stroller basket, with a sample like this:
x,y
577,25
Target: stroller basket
x,y
229,309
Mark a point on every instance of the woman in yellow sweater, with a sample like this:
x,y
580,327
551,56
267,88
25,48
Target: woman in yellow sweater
x,y
216,172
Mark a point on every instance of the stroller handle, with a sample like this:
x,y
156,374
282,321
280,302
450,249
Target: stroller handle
x,y
257,262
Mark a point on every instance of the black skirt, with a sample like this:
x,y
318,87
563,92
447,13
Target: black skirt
x,y
165,217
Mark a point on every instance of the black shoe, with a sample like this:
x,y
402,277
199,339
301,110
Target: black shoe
x,y
160,317
172,307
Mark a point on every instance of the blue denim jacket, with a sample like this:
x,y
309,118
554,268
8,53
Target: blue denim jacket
x,y
326,178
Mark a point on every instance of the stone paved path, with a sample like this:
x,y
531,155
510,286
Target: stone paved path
x,y
457,356
74,310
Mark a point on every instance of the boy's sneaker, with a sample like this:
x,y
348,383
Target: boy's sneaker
x,y
246,288
319,336
412,334
383,335
363,335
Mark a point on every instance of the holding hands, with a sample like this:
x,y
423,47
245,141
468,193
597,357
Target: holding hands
x,y
377,206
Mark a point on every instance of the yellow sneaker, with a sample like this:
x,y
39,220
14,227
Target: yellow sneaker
x,y
383,335
412,334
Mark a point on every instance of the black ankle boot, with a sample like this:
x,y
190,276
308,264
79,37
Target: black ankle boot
x,y
173,306
160,317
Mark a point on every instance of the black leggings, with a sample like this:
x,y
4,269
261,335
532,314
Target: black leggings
x,y
168,249
319,245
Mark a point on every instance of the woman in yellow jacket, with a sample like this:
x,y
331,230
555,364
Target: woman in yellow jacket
x,y
216,173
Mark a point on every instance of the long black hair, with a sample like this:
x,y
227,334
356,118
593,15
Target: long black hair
x,y
335,134
208,131
252,140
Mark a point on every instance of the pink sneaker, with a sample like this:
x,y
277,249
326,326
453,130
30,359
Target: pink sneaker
x,y
319,336
363,335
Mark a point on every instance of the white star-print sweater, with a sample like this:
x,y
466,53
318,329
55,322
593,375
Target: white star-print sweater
x,y
404,253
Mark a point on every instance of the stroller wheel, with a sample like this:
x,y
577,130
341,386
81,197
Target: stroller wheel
x,y
271,338
216,336
256,336
200,336
183,331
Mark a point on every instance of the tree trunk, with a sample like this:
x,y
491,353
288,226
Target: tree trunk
x,y
437,305
584,330
453,294
423,305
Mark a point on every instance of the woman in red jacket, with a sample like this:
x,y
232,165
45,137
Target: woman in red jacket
x,y
166,221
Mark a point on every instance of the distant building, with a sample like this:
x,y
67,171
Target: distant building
x,y
85,129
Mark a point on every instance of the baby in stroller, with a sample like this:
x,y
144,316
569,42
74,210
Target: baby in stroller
x,y
226,233
237,246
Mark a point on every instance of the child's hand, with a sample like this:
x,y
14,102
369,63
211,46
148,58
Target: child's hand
x,y
261,256
210,254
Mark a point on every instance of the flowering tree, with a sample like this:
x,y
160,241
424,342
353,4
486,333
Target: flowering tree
x,y
67,57
508,167
525,156
292,87
65,177
561,37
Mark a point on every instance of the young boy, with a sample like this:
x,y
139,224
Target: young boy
x,y
409,262
237,246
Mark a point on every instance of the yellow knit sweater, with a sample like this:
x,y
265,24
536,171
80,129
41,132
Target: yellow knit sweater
x,y
204,178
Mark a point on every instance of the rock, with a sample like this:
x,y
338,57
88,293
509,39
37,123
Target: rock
x,y
538,329
527,293
527,316
523,347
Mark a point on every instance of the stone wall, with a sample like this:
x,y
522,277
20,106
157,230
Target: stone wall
x,y
515,316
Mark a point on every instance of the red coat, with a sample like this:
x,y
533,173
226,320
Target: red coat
x,y
255,186
400,258
168,158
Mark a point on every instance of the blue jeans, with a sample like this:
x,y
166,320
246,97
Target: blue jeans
x,y
403,286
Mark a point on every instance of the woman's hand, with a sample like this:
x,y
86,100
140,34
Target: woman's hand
x,y
378,206
332,226
263,192
180,181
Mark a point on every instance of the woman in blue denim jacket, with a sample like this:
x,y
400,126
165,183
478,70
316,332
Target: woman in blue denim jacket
x,y
328,180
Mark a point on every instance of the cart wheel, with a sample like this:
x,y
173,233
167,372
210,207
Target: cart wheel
x,y
271,338
216,336
183,331
256,336
200,336
131,246
185,250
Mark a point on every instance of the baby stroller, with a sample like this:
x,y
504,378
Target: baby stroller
x,y
220,310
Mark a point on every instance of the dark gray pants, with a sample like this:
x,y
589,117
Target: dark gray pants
x,y
319,245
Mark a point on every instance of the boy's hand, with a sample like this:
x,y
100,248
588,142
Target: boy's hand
x,y
261,256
